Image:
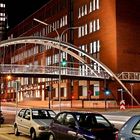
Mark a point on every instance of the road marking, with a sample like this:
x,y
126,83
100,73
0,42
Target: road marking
x,y
118,122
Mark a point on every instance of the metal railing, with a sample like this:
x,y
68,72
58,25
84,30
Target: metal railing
x,y
129,76
37,69
69,71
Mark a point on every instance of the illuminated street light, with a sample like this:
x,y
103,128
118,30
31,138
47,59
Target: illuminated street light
x,y
8,77
59,39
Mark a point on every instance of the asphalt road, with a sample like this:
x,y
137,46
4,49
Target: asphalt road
x,y
117,117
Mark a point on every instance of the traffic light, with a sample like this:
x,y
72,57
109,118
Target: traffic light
x,y
107,91
49,88
64,62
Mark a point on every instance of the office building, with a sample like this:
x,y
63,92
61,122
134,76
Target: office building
x,y
107,29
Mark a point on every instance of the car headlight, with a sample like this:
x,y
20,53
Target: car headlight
x,y
41,127
122,138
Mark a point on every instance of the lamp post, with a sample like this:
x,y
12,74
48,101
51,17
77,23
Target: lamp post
x,y
131,85
59,39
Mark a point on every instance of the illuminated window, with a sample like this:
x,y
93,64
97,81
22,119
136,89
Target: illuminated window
x,y
94,47
2,5
84,48
94,25
2,18
82,31
94,4
2,14
82,11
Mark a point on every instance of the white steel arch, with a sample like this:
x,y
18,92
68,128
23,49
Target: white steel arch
x,y
66,47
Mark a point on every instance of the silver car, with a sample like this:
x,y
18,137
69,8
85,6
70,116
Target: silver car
x,y
33,122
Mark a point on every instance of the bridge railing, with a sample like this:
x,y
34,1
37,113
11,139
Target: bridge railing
x,y
38,69
129,76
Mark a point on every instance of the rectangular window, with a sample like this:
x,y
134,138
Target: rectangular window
x,y
95,47
85,29
94,25
79,12
98,24
79,32
97,4
94,5
86,9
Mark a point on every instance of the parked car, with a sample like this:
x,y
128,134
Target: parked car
x,y
130,130
33,122
81,126
1,118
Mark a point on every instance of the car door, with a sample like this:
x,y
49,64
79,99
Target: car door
x,y
19,120
135,134
57,126
104,129
69,128
26,122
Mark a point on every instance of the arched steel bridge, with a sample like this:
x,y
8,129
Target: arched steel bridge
x,y
102,72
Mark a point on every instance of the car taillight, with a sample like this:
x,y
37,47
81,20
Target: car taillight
x,y
116,136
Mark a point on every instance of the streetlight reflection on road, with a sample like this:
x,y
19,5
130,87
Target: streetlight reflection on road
x,y
59,39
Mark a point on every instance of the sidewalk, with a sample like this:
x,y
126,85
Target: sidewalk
x,y
6,129
105,110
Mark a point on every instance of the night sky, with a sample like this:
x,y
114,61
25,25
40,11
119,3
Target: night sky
x,y
18,10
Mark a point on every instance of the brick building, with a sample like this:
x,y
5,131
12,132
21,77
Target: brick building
x,y
107,30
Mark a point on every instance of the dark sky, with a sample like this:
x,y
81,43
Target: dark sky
x,y
18,10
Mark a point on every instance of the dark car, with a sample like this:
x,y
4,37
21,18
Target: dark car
x,y
1,118
81,126
130,130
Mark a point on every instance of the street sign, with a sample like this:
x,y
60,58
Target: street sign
x,y
122,105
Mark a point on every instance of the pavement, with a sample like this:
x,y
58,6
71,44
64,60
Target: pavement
x,y
129,110
6,129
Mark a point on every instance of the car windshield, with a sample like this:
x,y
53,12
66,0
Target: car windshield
x,y
42,114
90,121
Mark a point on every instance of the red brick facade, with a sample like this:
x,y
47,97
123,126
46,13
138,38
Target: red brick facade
x,y
116,27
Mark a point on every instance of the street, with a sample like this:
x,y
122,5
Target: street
x,y
6,130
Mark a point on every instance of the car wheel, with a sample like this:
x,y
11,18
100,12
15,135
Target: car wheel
x,y
16,131
33,134
51,137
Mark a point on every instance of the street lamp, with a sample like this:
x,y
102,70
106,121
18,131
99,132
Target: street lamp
x,y
59,39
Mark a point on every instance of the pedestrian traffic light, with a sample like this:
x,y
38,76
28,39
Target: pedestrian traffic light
x,y
64,62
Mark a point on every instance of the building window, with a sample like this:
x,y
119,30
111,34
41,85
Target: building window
x,y
2,18
48,60
55,58
2,5
94,5
94,47
96,89
63,56
84,48
94,25
82,11
82,31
